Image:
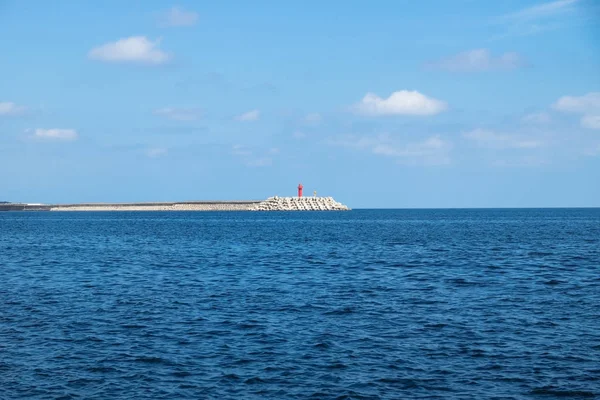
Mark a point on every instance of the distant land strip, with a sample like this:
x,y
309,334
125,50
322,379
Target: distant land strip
x,y
233,205
275,203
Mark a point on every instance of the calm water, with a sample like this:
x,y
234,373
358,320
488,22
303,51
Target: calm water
x,y
365,304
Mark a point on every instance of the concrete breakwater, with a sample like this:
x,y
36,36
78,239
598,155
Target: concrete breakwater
x,y
299,204
179,206
271,204
23,207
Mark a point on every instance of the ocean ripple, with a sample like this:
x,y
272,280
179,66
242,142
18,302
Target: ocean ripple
x,y
369,304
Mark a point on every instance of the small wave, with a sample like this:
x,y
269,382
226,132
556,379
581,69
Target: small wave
x,y
462,282
187,386
254,380
151,360
181,374
406,383
102,369
243,361
340,311
491,367
67,396
436,326
319,395
553,282
288,309
232,377
352,395
553,391
249,326
82,382
133,326
337,365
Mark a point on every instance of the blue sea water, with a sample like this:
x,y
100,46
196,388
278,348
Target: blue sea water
x,y
367,304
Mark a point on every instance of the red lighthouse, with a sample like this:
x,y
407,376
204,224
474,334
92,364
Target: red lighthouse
x,y
300,187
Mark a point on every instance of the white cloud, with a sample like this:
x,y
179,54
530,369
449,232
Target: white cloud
x,y
11,109
490,139
431,151
537,118
156,152
180,114
479,60
274,150
591,121
248,116
179,17
588,105
56,134
134,49
403,102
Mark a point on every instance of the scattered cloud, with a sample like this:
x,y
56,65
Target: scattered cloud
x,y
56,134
537,118
536,19
180,114
587,105
478,60
491,139
156,152
431,151
403,102
591,121
11,109
253,115
179,17
274,150
134,49
543,10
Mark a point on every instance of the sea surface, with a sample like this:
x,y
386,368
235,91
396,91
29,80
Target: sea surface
x,y
367,304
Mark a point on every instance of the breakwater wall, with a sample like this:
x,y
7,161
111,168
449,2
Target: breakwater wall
x,y
299,204
270,204
177,206
23,207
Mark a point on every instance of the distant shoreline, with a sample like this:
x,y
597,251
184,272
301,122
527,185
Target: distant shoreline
x,y
270,204
233,205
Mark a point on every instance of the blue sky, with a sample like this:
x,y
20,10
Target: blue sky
x,y
462,103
